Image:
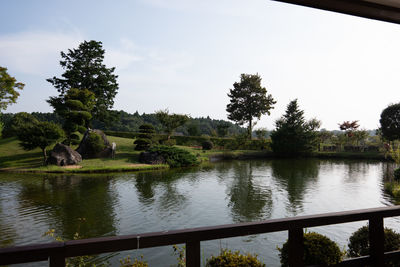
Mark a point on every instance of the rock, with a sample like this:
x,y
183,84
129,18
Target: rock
x,y
63,155
85,150
151,158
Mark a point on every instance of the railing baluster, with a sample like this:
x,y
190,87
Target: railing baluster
x,y
193,253
57,260
296,247
376,241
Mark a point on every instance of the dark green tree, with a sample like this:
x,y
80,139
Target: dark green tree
x,y
41,134
170,121
293,134
145,138
75,107
84,69
248,100
193,128
222,129
390,122
18,121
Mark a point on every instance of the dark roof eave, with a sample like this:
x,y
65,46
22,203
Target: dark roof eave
x,y
373,9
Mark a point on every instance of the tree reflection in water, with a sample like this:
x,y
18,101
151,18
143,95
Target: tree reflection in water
x,y
294,176
66,199
250,199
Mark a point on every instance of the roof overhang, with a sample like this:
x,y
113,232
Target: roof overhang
x,y
385,10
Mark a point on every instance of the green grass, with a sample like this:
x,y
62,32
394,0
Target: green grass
x,y
14,158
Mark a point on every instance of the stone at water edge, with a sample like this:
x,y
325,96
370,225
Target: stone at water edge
x,y
86,153
63,155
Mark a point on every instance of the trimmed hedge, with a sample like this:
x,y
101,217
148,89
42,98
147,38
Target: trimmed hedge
x,y
226,143
175,157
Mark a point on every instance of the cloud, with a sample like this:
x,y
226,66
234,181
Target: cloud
x,y
35,52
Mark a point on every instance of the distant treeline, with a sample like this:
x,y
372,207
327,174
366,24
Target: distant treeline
x,y
125,122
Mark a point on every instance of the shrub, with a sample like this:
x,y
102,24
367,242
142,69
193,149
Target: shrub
x,y
318,249
95,143
175,157
207,145
396,174
359,242
145,140
142,144
229,258
81,129
127,262
168,142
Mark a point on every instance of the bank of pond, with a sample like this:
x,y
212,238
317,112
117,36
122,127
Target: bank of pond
x,y
213,193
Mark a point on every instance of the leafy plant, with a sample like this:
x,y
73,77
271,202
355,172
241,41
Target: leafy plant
x,y
359,242
175,157
318,250
180,252
95,143
228,258
207,145
127,262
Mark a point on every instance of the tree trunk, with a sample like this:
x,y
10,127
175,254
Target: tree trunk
x,y
249,129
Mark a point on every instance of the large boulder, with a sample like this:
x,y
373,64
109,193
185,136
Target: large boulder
x,y
63,155
151,158
89,150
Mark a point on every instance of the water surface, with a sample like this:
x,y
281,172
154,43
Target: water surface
x,y
213,194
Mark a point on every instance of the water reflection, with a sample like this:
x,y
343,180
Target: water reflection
x,y
294,176
67,199
249,198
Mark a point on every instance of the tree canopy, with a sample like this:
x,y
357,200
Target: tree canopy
x,y
248,100
8,89
170,121
84,69
293,134
390,122
39,134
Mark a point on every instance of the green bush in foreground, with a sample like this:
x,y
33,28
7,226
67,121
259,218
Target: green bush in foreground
x,y
228,258
396,174
359,242
175,157
318,249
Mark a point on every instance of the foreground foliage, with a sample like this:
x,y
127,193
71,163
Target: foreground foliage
x,y
318,250
228,258
359,242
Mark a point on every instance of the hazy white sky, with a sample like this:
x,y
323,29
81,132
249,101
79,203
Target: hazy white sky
x,y
186,54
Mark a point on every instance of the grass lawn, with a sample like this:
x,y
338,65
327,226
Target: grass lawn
x,y
14,158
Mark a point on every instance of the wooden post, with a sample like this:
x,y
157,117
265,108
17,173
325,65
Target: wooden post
x,y
376,241
296,247
193,253
57,260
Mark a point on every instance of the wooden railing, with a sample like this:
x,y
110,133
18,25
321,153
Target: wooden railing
x,y
56,252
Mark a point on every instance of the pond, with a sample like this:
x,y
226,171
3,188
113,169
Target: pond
x,y
213,194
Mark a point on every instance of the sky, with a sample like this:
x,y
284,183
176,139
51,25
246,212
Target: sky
x,y
185,55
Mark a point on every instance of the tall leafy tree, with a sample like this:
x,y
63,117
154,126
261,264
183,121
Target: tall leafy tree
x,y
390,122
248,101
293,134
8,91
170,121
40,134
84,69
